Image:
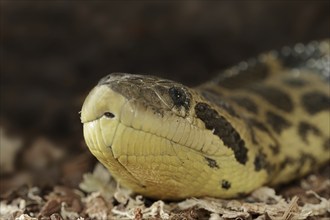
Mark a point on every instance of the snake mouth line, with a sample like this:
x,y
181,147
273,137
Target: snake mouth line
x,y
168,139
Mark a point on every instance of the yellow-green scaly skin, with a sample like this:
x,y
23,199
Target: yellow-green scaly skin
x,y
264,121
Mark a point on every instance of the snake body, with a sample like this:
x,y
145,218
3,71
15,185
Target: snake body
x,y
263,121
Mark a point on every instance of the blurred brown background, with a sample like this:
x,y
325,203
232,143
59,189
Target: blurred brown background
x,y
54,52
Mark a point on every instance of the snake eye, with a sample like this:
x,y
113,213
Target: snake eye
x,y
178,96
109,115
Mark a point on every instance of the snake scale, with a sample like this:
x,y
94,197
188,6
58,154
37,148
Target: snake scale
x,y
263,121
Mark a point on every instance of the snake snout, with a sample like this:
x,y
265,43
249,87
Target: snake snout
x,y
102,101
100,115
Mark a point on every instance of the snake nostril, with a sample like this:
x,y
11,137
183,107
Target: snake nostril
x,y
109,115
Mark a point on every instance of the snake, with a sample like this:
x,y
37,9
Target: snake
x,y
264,121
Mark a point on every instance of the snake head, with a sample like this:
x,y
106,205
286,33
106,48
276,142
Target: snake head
x,y
149,131
131,119
134,100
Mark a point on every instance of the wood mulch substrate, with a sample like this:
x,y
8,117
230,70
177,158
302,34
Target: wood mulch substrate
x,y
40,181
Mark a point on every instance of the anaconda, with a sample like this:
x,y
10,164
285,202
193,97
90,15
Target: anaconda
x,y
263,121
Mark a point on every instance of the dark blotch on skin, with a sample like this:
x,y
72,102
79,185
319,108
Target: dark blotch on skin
x,y
304,128
293,59
212,163
252,74
253,123
326,145
223,129
225,184
227,107
315,102
274,96
294,82
286,162
258,125
246,103
179,97
219,102
260,162
303,160
277,122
